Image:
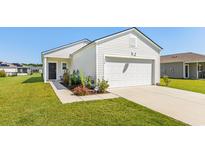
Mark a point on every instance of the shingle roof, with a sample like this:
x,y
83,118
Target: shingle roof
x,y
182,57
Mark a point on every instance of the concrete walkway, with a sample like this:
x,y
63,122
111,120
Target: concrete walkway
x,y
66,96
185,106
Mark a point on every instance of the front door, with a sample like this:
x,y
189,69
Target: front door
x,y
186,70
52,70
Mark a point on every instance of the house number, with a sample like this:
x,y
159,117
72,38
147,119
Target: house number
x,y
133,53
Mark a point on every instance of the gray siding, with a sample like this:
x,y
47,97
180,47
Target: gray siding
x,y
173,70
200,73
192,71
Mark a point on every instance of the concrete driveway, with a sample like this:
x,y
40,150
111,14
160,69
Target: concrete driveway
x,y
185,106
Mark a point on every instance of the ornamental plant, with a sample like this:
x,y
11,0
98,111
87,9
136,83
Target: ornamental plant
x,y
102,85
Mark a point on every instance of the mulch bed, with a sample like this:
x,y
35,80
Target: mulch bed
x,y
90,91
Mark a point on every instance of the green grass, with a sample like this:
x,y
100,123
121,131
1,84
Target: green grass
x,y
27,100
185,84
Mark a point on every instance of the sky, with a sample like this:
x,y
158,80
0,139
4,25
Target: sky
x,y
24,45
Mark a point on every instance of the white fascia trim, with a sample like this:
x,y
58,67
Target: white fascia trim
x,y
60,57
113,36
129,57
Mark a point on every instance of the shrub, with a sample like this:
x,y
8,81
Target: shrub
x,y
2,73
81,91
66,77
166,80
102,86
88,82
75,78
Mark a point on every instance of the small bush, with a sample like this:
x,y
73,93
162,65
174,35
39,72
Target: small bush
x,y
2,73
81,91
75,78
88,82
66,77
166,80
102,86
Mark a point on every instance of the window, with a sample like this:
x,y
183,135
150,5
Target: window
x,y
171,69
200,68
133,43
64,66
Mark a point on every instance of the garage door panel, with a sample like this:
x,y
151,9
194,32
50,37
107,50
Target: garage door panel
x,y
128,72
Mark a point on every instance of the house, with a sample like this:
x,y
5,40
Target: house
x,y
13,69
22,70
183,65
36,69
126,58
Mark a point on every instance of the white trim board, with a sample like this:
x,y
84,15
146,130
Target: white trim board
x,y
129,57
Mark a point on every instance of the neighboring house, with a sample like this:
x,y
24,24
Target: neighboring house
x,y
24,70
183,65
36,69
126,58
13,69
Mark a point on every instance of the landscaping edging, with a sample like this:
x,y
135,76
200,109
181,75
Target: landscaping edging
x,y
66,96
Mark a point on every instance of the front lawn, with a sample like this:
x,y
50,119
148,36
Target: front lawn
x,y
186,84
26,100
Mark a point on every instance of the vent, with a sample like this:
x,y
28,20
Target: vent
x,y
133,42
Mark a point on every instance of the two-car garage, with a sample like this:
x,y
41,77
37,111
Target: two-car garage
x,y
123,72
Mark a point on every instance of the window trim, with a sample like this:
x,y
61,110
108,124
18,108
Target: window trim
x,y
200,67
62,66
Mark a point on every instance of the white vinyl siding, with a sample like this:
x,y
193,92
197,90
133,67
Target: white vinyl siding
x,y
120,46
133,42
85,61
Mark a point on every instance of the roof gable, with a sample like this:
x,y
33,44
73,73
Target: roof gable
x,y
130,30
118,34
72,46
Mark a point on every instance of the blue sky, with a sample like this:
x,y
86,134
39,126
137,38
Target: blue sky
x,y
24,45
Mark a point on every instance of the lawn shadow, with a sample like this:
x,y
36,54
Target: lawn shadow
x,y
33,80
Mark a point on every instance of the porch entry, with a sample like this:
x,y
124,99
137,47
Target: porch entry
x,y
186,70
52,71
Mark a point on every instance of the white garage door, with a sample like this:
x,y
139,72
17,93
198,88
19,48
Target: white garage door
x,y
122,72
